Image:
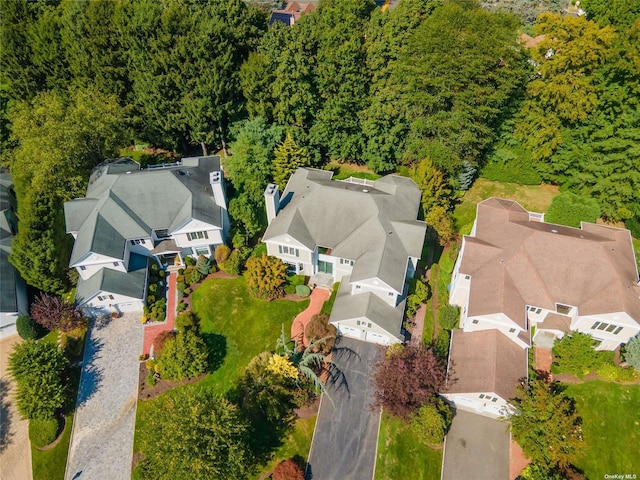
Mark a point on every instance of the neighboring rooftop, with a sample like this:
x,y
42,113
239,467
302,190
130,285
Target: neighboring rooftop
x,y
291,13
375,224
13,288
515,262
485,361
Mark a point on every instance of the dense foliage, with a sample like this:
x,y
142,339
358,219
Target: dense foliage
x,y
432,421
408,378
54,313
546,425
571,209
184,356
265,276
632,352
288,470
29,329
38,369
576,355
321,333
209,438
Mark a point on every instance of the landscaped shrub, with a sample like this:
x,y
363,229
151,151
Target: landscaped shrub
x,y
183,357
448,317
290,289
162,273
222,253
295,280
431,422
151,299
575,355
303,291
160,342
265,276
43,432
202,265
181,286
288,470
319,328
181,271
28,329
154,267
181,306
190,261
233,263
153,288
193,276
441,347
615,373
185,321
186,292
632,352
417,297
52,312
213,269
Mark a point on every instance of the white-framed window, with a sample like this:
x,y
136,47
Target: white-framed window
x,y
102,298
197,236
607,327
138,241
201,251
116,264
285,250
467,277
475,322
344,261
358,322
512,330
390,294
83,268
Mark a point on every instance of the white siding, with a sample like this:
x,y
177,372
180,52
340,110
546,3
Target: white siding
x,y
610,340
95,263
96,306
377,287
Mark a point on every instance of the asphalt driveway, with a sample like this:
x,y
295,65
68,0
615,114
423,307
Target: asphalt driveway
x,y
101,445
476,447
346,434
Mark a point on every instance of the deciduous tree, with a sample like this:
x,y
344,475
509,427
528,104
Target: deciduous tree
x,y
184,356
408,378
53,313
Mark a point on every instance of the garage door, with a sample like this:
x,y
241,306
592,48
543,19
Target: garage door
x,y
465,402
129,307
350,331
377,338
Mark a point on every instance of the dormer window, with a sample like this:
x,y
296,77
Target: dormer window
x,y
197,236
138,241
162,233
344,261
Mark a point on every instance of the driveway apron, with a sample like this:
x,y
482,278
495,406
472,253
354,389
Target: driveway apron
x,y
102,439
346,435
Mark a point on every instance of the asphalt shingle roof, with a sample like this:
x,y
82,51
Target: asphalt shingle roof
x,y
130,284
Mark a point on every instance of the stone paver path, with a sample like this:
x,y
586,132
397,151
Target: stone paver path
x,y
152,331
318,297
102,439
15,452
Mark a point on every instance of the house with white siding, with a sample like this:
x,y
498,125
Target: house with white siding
x,y
129,215
533,282
360,233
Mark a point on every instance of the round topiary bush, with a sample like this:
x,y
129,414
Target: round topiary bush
x,y
290,289
303,290
43,432
28,329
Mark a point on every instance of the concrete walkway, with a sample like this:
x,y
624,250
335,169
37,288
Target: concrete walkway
x,y
151,331
102,440
318,297
15,450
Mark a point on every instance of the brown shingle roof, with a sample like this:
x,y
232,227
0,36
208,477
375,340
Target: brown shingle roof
x,y
516,262
485,361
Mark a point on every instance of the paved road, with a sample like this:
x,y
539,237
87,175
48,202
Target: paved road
x,y
346,435
476,447
102,440
15,451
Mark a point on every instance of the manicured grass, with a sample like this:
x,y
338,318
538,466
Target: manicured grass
x,y
610,427
51,464
636,247
297,444
328,305
535,198
401,455
236,328
429,323
346,170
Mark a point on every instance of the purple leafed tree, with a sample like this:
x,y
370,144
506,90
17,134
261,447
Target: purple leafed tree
x,y
408,378
52,312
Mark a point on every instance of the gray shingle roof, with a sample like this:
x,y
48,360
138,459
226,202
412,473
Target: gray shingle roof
x,y
367,305
124,203
130,284
8,275
375,225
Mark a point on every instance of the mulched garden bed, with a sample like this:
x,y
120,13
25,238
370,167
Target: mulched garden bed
x,y
147,392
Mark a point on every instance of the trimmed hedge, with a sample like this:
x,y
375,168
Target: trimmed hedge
x,y
28,329
303,290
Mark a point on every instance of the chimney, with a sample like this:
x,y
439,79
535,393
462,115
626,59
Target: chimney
x,y
216,180
272,201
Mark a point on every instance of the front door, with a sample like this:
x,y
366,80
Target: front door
x,y
325,267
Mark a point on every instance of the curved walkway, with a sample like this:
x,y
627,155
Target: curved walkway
x,y
102,439
318,297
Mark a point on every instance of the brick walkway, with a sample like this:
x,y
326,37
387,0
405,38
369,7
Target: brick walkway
x,y
152,331
517,461
318,297
543,359
418,329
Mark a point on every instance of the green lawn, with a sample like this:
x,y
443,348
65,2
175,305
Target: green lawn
x,y
535,198
236,327
401,455
636,247
610,427
51,464
297,443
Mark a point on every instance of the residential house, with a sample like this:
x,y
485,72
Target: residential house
x,y
13,294
533,282
165,213
291,13
363,234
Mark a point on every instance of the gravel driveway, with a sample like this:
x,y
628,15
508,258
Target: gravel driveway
x,y
102,439
346,435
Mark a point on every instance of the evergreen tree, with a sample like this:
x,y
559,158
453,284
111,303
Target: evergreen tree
x,y
288,158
